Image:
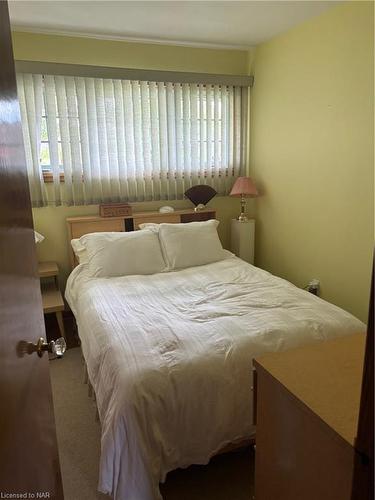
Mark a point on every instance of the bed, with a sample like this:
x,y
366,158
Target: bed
x,y
169,356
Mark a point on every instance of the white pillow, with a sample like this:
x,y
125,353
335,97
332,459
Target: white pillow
x,y
122,254
79,251
191,244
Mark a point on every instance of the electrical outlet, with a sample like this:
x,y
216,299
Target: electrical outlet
x,y
314,283
313,286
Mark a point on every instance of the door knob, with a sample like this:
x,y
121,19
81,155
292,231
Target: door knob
x,y
56,347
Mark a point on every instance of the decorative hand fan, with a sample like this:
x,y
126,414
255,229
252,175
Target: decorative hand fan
x,y
200,194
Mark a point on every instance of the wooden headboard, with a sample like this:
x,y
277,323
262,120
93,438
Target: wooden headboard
x,y
78,226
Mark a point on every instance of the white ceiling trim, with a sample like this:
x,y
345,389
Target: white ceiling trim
x,y
154,41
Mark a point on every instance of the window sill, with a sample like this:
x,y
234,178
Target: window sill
x,y
48,177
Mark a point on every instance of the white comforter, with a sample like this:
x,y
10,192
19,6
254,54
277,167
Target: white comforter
x,y
170,360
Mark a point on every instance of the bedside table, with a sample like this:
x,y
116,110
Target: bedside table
x,y
51,295
242,239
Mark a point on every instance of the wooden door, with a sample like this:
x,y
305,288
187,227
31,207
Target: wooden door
x,y
363,478
29,463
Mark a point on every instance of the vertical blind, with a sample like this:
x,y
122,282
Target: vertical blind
x,y
122,140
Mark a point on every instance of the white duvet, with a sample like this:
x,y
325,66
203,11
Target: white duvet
x,y
170,359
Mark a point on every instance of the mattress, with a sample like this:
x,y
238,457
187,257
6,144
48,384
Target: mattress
x,y
170,359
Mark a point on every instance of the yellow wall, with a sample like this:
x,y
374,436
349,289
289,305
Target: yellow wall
x,y
51,48
311,144
312,153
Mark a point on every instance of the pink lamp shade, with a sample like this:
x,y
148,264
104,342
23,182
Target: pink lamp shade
x,y
244,186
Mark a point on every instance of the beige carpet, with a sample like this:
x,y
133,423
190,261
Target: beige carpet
x,y
227,477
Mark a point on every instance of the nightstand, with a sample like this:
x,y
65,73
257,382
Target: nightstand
x,y
242,239
51,295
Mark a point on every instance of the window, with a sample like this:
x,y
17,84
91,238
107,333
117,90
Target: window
x,y
45,156
117,140
44,153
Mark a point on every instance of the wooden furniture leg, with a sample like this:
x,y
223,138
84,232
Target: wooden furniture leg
x,y
60,323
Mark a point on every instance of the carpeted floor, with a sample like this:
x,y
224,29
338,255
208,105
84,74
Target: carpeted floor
x,y
226,477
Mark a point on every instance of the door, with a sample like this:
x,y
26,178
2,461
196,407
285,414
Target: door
x,y
363,478
29,463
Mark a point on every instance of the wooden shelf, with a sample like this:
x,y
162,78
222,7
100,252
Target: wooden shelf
x,y
140,215
52,299
47,269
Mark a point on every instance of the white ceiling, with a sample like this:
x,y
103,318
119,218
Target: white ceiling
x,y
235,24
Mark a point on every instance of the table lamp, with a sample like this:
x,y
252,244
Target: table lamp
x,y
38,237
244,187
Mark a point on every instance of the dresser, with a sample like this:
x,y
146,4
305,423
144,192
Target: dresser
x,y
306,410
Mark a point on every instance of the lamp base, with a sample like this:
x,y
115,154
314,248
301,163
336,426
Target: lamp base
x,y
242,217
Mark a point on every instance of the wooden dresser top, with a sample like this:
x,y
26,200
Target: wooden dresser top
x,y
326,377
